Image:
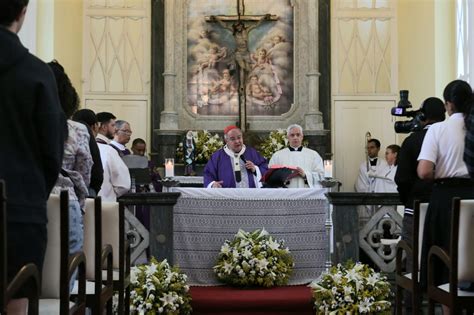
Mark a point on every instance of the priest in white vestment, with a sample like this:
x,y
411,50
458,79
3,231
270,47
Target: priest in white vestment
x,y
308,162
366,183
116,175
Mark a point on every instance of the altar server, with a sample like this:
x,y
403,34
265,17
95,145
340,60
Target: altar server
x,y
373,164
308,162
235,165
385,176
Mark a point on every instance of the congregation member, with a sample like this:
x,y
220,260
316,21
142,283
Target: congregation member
x,y
441,160
365,183
469,146
77,163
308,163
235,165
410,187
32,136
123,132
88,118
106,127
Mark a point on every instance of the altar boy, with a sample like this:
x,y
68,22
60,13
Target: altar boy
x,y
235,165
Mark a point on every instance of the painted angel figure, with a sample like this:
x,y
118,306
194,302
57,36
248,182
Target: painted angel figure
x,y
261,59
215,55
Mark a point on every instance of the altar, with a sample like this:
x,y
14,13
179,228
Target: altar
x,y
205,218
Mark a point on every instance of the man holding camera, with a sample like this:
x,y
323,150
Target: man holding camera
x,y
409,185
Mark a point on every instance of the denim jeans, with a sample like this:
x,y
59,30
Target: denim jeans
x,y
76,233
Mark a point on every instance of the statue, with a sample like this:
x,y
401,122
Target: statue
x,y
189,151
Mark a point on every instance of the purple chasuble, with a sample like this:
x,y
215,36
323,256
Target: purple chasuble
x,y
219,168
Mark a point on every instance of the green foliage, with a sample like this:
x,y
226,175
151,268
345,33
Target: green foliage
x,y
353,288
254,259
157,288
206,145
276,141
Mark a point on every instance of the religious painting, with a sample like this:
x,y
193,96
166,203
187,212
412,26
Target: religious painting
x,y
240,57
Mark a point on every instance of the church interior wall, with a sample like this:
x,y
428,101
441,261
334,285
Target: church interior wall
x,y
426,44
59,35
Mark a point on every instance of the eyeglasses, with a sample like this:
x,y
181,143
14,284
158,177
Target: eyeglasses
x,y
127,132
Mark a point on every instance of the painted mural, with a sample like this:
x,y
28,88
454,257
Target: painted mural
x,y
240,59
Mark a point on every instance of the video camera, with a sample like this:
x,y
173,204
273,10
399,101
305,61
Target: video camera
x,y
407,126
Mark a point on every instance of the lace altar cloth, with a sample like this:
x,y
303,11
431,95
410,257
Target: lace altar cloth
x,y
205,218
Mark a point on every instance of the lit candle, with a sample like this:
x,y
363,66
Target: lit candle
x,y
169,167
328,168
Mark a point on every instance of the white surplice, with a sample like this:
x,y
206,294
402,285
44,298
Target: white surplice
x,y
309,160
364,183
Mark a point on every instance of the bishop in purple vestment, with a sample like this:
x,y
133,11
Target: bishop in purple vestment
x,y
235,165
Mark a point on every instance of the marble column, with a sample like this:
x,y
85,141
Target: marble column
x,y
169,116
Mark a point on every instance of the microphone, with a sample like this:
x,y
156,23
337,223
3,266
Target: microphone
x,y
245,161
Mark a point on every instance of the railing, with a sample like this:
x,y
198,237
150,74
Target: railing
x,y
377,237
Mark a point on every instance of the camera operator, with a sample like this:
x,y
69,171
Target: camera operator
x,y
409,185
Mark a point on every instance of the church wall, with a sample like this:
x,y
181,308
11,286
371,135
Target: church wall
x,y
45,30
426,39
445,44
426,45
68,39
59,35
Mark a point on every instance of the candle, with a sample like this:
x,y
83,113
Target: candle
x,y
169,167
328,168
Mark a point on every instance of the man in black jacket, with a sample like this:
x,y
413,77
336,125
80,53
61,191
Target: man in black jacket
x,y
409,185
31,132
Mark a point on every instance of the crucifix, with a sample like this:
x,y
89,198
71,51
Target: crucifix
x,y
241,25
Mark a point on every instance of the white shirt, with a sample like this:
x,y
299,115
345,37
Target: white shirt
x,y
309,160
444,146
116,175
119,146
364,183
102,137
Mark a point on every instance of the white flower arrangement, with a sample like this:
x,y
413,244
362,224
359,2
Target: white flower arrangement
x,y
351,289
205,145
276,141
157,288
254,259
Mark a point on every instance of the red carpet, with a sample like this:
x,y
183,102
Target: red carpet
x,y
223,300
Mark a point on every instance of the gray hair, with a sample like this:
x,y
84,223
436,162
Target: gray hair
x,y
120,123
291,127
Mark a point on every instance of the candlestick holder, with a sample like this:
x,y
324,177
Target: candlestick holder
x,y
328,182
168,182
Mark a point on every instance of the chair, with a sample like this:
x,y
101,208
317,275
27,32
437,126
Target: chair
x,y
114,215
55,298
97,255
27,277
139,171
410,280
460,262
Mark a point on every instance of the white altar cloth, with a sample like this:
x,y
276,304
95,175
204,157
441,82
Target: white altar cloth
x,y
205,218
